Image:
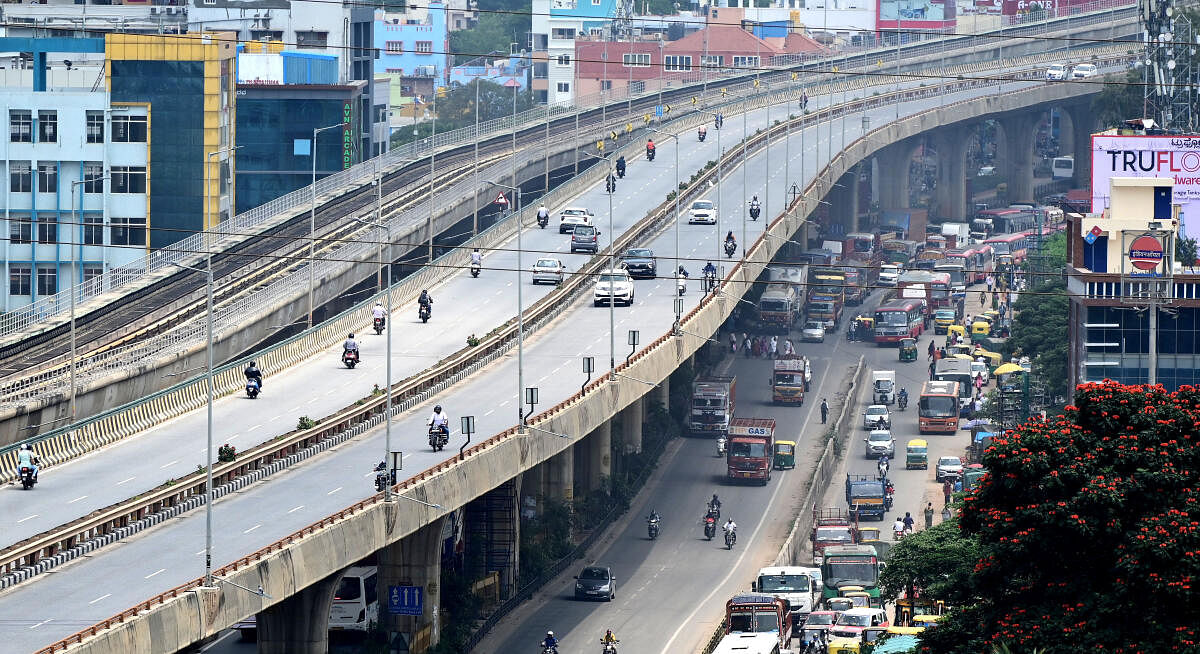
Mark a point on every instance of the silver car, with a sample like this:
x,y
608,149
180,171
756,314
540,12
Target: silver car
x,y
548,270
813,331
880,443
948,466
572,217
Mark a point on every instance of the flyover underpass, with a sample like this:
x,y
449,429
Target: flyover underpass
x,y
484,468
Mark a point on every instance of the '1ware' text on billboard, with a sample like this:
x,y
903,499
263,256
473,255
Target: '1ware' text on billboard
x,y
1170,157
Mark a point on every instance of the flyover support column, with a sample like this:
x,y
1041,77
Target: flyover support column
x,y
560,476
413,561
631,425
662,393
1016,158
599,457
300,623
1082,122
951,196
893,163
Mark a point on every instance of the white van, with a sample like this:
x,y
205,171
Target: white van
x,y
1063,167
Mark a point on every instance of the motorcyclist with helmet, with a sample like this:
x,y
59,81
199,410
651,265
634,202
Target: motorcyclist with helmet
x,y
426,302
252,372
550,642
609,641
380,314
621,166
439,420
754,208
26,458
543,215
350,345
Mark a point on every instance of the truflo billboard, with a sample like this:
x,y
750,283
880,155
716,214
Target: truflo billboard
x,y
1171,157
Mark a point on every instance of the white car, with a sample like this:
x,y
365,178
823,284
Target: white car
x,y
872,415
889,274
814,331
703,212
1056,71
980,368
948,466
571,216
548,270
1083,71
880,443
613,286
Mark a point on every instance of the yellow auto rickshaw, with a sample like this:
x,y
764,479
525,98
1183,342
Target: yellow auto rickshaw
x,y
868,533
992,316
908,349
925,620
911,631
785,455
958,330
839,604
980,329
916,454
994,359
845,645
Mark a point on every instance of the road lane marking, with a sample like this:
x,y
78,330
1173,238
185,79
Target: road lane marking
x,y
41,623
252,528
295,408
160,571
168,465
125,480
253,428
296,509
334,490
201,552
490,412
274,419
28,518
102,597
81,497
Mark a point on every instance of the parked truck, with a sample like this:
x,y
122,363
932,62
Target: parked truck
x,y
750,450
713,401
830,528
866,496
958,235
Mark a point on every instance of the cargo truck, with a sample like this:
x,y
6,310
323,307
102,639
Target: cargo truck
x,y
830,528
757,613
750,450
713,401
790,380
793,584
866,496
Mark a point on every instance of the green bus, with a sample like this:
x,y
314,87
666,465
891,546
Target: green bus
x,y
850,565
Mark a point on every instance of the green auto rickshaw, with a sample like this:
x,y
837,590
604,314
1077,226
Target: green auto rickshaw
x,y
908,349
785,455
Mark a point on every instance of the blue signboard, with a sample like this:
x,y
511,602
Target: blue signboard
x,y
405,600
658,111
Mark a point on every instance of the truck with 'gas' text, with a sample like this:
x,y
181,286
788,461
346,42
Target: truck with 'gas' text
x,y
750,450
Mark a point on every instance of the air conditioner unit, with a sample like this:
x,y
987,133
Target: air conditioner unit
x,y
154,11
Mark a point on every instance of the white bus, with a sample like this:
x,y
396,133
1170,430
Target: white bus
x,y
748,643
1063,167
355,604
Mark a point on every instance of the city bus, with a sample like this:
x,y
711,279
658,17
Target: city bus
x,y
956,270
939,290
1009,249
1007,221
850,565
956,370
937,409
899,319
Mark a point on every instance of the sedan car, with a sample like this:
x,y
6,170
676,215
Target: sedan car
x,y
596,582
640,262
613,286
571,217
880,443
873,414
703,212
948,466
1056,71
1083,71
813,331
548,270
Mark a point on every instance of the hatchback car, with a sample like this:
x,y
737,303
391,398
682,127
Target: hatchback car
x,y
872,416
640,262
1056,71
880,443
548,270
1083,71
572,217
585,238
613,286
703,212
813,331
596,582
948,466
851,623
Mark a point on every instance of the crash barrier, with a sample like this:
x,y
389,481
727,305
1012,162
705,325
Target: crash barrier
x,y
570,415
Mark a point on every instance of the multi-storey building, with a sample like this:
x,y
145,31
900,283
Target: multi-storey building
x,y
413,49
555,26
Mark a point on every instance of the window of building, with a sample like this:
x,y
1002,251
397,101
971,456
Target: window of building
x,y
20,126
678,63
128,179
637,86
20,177
128,231
93,229
635,59
92,272
47,229
563,60
47,177
424,47
564,87
20,231
20,280
713,61
47,126
540,70
311,39
47,280
605,85
266,35
129,129
745,62
95,126
394,47
564,33
93,175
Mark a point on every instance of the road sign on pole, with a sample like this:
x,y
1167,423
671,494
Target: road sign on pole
x,y
658,111
501,199
405,600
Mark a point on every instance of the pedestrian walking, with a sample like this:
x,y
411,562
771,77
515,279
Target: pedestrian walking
x,y
747,346
947,490
733,343
789,350
929,515
982,299
990,282
932,366
932,349
978,381
824,411
774,346
946,513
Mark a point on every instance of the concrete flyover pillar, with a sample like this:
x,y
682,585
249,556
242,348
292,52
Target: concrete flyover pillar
x,y
300,623
560,476
663,393
951,197
1016,156
632,417
892,164
492,531
415,560
599,457
1082,123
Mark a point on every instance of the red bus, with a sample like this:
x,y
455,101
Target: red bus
x,y
977,262
937,408
1009,248
899,319
939,290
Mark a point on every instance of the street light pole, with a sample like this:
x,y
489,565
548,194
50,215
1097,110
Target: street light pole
x,y
76,281
675,269
720,206
432,156
520,304
612,300
312,223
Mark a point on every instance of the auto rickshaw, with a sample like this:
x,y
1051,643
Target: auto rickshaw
x,y
980,329
845,645
868,533
993,359
916,454
908,349
958,330
863,599
992,316
839,604
785,455
925,620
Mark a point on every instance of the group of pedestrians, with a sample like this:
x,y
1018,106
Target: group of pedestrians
x,y
761,346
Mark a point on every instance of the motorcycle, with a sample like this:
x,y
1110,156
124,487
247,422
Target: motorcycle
x,y
681,285
543,221
710,527
710,282
620,170
609,648
438,437
755,210
889,496
883,470
720,446
549,650
902,402
649,154
423,312
730,248
253,386
382,477
730,539
652,527
27,478
378,325
714,512
350,358
701,134
474,270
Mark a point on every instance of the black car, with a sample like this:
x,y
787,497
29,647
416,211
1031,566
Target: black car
x,y
596,582
640,262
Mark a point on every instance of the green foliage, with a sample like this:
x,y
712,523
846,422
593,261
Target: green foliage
x,y
501,23
937,561
1118,101
1039,332
456,109
1185,251
459,609
1089,526
545,540
1054,259
306,423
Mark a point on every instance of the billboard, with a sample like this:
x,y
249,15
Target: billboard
x,y
914,14
1172,157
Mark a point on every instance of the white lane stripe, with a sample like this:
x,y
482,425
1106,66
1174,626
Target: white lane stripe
x,y
104,596
168,465
160,571
27,518
252,528
296,509
81,497
41,623
125,480
334,490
